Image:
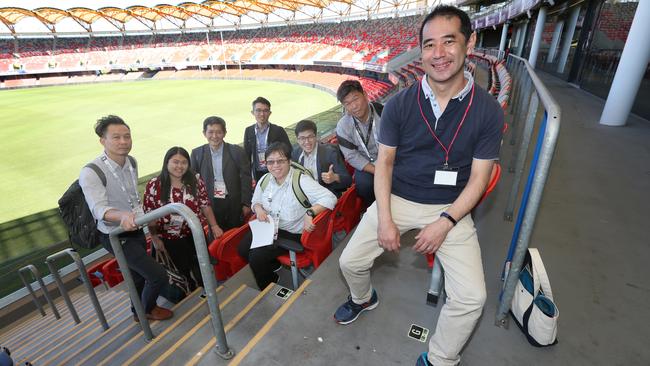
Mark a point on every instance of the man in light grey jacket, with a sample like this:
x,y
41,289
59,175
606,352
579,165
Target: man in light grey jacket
x,y
357,133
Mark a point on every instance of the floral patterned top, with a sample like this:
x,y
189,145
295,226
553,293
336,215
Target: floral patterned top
x,y
174,226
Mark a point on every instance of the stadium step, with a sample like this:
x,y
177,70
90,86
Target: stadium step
x,y
24,341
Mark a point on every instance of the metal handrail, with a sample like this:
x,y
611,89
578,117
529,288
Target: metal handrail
x,y
37,276
207,272
84,278
549,130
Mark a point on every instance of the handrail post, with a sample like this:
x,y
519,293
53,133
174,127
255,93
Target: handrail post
x,y
84,278
64,293
207,272
548,142
37,276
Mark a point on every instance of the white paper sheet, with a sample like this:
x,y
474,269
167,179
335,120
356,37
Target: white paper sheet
x,y
263,232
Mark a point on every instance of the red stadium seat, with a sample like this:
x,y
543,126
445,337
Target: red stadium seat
x,y
347,211
224,250
317,245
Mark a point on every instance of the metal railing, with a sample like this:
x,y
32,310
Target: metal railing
x,y
491,51
527,93
207,272
84,278
37,276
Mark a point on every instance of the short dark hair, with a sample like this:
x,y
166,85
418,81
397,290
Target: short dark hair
x,y
305,125
449,11
280,147
261,100
214,120
347,87
102,124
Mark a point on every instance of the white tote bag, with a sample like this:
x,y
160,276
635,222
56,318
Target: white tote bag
x,y
532,304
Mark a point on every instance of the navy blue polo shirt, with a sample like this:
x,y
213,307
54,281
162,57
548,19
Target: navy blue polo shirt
x,y
418,154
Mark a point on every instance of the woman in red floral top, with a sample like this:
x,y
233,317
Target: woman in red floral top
x,y
177,183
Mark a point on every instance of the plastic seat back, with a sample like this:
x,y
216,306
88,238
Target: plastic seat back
x,y
224,250
318,243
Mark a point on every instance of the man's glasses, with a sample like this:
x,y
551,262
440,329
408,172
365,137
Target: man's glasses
x,y
306,138
261,111
278,162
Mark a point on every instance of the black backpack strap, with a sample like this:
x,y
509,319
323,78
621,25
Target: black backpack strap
x,y
133,162
378,107
99,172
346,143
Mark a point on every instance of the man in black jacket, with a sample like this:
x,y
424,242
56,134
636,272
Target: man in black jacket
x,y
323,160
260,135
226,171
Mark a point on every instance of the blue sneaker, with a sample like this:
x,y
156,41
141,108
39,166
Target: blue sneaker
x,y
349,312
423,360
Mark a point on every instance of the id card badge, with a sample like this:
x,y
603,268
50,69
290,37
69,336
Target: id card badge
x,y
220,189
261,159
446,176
175,224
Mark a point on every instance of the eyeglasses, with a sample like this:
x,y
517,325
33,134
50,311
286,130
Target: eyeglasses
x,y
307,138
261,111
278,162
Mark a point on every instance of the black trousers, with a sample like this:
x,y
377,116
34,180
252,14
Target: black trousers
x,y
228,213
148,275
183,252
263,260
365,186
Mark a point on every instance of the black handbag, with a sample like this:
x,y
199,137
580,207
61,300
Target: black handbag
x,y
177,286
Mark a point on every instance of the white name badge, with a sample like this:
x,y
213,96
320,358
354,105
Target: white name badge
x,y
261,159
220,189
445,177
175,224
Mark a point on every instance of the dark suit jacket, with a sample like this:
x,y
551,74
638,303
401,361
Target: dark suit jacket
x,y
276,133
327,155
236,171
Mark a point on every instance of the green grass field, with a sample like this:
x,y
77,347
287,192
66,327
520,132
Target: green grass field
x,y
47,133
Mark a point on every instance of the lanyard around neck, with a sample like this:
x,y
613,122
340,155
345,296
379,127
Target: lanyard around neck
x,y
117,178
426,121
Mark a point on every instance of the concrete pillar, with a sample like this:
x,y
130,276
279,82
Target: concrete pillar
x,y
568,38
537,38
522,38
630,71
554,42
504,36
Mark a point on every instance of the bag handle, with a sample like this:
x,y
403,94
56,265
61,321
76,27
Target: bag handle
x,y
540,277
163,258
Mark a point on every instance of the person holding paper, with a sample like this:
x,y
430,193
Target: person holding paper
x,y
278,203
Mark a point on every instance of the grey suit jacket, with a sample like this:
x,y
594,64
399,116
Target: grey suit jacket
x,y
236,171
327,155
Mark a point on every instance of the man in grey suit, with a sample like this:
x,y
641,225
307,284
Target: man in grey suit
x,y
323,160
226,171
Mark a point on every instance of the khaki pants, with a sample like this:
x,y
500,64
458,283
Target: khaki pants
x,y
460,256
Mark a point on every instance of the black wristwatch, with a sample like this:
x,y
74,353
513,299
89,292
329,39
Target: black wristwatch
x,y
311,212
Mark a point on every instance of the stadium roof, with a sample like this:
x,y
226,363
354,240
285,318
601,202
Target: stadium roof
x,y
38,16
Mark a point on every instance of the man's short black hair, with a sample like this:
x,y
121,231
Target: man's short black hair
x,y
102,124
280,147
449,11
306,125
348,87
214,120
261,100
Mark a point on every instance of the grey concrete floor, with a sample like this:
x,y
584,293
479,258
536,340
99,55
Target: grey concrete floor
x,y
592,236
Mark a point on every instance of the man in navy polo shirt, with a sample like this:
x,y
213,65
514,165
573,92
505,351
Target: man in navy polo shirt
x,y
437,146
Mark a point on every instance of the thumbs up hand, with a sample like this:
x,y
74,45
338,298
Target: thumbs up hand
x,y
330,177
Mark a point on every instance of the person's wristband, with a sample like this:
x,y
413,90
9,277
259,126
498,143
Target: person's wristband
x,y
448,217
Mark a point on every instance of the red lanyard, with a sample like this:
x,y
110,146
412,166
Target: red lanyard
x,y
447,150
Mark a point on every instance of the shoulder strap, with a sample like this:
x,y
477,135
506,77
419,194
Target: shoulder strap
x,y
297,189
540,277
134,164
302,169
264,181
346,143
378,107
98,171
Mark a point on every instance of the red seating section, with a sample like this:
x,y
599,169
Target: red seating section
x,y
347,211
224,250
317,244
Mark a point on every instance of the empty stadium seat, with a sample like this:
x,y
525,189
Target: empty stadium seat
x,y
224,250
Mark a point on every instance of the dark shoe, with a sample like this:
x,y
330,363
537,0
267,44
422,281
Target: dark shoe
x,y
135,318
349,312
159,313
423,360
